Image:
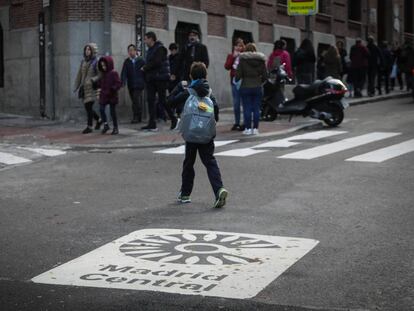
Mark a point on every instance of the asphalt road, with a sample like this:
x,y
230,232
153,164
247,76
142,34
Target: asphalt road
x,y
57,209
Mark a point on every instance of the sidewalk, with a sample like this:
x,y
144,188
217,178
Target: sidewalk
x,y
23,130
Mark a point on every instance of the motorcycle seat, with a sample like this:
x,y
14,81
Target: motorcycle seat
x,y
303,91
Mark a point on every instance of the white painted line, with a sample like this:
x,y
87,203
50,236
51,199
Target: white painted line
x,y
188,262
381,155
10,159
243,152
181,149
345,144
45,152
287,142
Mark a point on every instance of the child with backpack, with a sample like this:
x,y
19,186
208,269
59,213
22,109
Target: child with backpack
x,y
109,83
198,128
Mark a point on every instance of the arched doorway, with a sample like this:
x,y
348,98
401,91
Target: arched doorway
x,y
1,57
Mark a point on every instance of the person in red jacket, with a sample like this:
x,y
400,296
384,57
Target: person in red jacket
x,y
280,56
109,83
231,64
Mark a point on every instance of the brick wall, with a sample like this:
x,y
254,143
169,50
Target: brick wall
x,y
24,13
216,25
85,10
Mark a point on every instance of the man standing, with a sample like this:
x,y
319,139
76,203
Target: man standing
x,y
375,64
173,59
133,76
157,76
194,51
359,64
384,74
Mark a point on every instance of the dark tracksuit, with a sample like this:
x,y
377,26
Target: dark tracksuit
x,y
133,76
206,151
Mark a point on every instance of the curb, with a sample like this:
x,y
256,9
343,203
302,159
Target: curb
x,y
378,98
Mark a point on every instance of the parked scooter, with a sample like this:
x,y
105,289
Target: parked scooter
x,y
323,99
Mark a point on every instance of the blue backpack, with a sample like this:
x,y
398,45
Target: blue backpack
x,y
198,124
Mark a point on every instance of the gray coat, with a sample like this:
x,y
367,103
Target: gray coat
x,y
252,69
88,71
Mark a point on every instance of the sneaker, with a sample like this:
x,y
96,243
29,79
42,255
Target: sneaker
x,y
98,124
149,128
106,128
221,198
255,132
87,130
183,198
115,131
177,126
173,123
247,132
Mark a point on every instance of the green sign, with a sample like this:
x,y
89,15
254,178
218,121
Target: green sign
x,y
302,7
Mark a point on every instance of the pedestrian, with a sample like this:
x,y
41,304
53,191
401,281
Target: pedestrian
x,y
385,71
375,63
343,54
332,63
279,57
396,72
173,60
193,51
83,85
232,62
406,63
133,76
251,73
109,83
359,55
199,86
157,77
304,62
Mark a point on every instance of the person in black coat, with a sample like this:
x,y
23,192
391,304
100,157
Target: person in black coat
x,y
375,64
304,62
173,59
193,51
157,77
133,76
384,73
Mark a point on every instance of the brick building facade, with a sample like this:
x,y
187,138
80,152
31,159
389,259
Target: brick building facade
x,y
111,24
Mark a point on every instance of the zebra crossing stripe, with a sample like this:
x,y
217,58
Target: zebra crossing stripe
x,y
181,149
243,152
45,152
345,144
288,142
9,159
381,155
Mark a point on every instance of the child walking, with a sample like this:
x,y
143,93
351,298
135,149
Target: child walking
x,y
109,83
200,88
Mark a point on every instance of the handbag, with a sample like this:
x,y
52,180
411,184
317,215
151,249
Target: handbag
x,y
394,71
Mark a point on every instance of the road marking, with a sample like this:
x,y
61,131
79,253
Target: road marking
x,y
381,155
10,159
190,262
45,152
288,142
345,144
181,149
242,152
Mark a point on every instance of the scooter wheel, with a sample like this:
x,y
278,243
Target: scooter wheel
x,y
337,116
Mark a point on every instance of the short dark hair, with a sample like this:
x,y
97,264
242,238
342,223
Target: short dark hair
x,y
132,46
198,70
152,35
173,46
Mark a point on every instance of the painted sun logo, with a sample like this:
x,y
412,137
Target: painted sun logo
x,y
195,248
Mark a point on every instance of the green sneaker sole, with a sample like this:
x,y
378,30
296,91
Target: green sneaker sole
x,y
221,200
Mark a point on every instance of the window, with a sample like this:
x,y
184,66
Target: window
x,y
408,13
323,6
181,33
246,36
354,10
290,45
1,58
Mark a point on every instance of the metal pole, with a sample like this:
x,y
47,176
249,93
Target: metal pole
x,y
52,61
307,27
107,27
42,65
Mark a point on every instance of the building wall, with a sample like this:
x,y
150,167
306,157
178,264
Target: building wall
x,y
79,21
